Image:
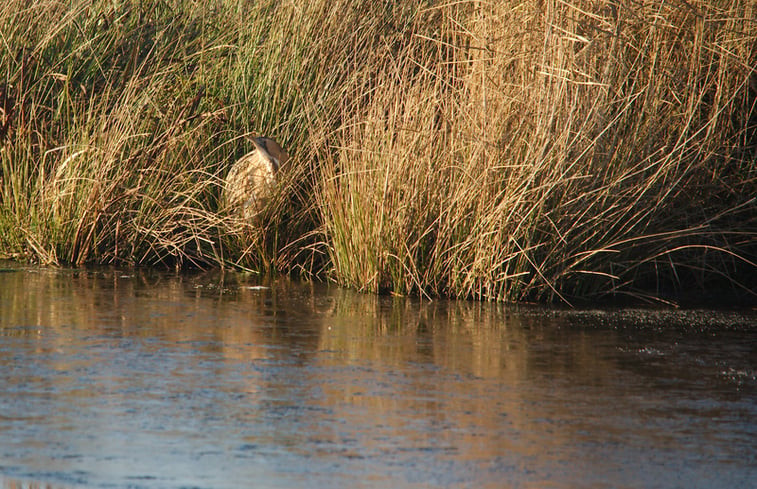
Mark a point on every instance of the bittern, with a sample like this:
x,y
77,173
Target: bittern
x,y
251,180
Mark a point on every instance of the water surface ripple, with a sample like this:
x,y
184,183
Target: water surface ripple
x,y
113,379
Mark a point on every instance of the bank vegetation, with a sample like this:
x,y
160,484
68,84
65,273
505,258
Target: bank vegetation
x,y
524,150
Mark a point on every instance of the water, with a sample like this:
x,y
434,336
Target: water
x,y
112,379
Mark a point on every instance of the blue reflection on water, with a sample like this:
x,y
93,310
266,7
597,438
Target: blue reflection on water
x,y
176,382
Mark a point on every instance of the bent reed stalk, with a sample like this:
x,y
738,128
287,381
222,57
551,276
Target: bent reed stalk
x,y
502,151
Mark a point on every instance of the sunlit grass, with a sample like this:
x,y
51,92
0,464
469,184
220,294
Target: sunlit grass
x,y
506,151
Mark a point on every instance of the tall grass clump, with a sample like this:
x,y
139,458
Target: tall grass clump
x,y
538,149
111,154
122,120
553,149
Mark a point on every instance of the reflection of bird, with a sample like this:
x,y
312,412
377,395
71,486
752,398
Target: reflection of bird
x,y
251,179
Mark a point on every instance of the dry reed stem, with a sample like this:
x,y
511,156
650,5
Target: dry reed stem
x,y
499,151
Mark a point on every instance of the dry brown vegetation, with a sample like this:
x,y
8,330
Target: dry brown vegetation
x,y
506,150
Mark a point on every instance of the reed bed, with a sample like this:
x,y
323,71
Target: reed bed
x,y
528,150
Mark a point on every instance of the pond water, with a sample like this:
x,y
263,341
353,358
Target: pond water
x,y
113,379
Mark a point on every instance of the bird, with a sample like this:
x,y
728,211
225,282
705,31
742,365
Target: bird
x,y
250,183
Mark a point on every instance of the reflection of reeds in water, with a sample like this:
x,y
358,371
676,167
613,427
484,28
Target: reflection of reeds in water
x,y
133,304
485,340
453,364
223,316
18,484
226,313
417,375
